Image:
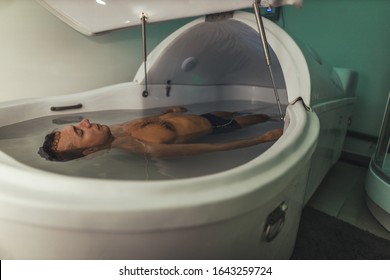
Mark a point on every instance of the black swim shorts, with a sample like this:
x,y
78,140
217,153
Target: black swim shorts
x,y
221,125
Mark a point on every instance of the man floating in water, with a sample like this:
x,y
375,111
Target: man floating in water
x,y
165,135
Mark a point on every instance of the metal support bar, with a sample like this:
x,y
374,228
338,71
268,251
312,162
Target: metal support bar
x,y
144,19
260,26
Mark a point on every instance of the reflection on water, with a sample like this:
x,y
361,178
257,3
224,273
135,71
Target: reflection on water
x,y
22,140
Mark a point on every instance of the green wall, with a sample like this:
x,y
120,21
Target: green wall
x,y
352,34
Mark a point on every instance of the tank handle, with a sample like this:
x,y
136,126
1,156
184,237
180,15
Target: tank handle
x,y
64,108
275,222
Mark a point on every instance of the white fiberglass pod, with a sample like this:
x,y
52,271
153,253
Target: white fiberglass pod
x,y
248,211
377,181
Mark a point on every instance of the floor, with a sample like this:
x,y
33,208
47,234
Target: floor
x,y
342,195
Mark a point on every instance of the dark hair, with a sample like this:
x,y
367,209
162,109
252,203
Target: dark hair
x,y
49,149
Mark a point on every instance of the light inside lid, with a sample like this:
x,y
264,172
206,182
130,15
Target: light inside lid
x,y
101,2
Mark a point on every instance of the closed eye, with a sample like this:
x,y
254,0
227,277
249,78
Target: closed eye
x,y
78,131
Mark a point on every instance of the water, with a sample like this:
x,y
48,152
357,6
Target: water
x,y
22,141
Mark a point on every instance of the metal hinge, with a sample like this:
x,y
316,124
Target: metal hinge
x,y
307,107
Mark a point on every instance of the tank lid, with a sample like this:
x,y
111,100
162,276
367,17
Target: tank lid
x,y
92,17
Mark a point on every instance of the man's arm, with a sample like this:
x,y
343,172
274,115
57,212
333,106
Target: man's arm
x,y
175,150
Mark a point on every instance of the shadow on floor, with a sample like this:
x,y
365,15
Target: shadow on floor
x,y
323,237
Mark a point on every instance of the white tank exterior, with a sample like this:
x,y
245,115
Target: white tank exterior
x,y
219,216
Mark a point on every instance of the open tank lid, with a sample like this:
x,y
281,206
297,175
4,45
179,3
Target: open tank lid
x,y
92,17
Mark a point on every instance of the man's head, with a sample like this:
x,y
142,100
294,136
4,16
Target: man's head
x,y
75,141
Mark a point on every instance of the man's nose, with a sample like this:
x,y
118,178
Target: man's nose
x,y
85,123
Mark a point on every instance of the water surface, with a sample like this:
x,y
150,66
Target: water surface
x,y
22,141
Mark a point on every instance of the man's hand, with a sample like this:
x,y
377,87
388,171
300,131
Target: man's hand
x,y
271,135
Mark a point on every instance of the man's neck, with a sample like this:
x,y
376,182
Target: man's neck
x,y
117,130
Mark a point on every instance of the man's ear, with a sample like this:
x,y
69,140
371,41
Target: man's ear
x,y
91,150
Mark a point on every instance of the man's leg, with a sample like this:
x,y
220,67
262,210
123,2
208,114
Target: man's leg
x,y
222,121
224,114
242,120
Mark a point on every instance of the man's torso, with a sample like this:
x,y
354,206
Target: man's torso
x,y
168,128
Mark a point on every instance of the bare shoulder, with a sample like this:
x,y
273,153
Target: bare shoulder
x,y
129,144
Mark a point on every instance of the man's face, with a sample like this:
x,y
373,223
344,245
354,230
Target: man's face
x,y
83,136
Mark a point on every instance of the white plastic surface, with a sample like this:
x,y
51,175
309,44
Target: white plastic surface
x,y
229,54
216,216
96,16
377,189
